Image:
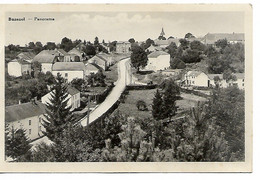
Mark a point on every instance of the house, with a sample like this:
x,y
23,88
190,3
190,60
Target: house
x,y
76,52
106,47
74,58
27,116
153,48
91,69
18,67
107,57
73,96
196,78
27,56
100,61
69,70
123,47
239,82
158,60
171,72
232,38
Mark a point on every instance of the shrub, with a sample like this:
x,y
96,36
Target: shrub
x,y
141,105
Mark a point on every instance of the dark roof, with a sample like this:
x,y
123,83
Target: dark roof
x,y
68,66
46,56
26,55
72,91
23,111
155,54
92,66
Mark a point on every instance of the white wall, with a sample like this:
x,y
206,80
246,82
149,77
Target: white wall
x,y
14,69
162,62
33,130
70,74
46,67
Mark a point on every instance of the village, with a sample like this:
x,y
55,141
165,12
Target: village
x,y
104,79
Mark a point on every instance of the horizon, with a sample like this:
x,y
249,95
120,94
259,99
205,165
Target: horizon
x,y
112,26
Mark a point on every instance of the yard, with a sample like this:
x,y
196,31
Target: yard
x,y
129,106
111,74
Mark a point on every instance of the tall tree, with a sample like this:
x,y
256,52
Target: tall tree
x,y
66,44
172,48
189,35
96,41
57,110
157,107
138,57
50,46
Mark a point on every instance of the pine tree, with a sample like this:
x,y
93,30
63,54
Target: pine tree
x,y
157,106
57,111
17,143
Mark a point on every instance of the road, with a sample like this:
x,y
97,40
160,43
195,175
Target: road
x,y
124,78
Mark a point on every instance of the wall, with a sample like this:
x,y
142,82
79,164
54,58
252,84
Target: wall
x,y
14,69
46,67
26,68
36,126
71,74
162,62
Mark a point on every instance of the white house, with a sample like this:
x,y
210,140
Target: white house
x,y
91,69
107,57
158,60
27,116
18,67
196,78
100,61
69,70
73,96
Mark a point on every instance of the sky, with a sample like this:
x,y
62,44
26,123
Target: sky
x,y
119,26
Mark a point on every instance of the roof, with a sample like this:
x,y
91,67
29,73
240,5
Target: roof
x,y
22,111
20,61
153,48
26,55
68,66
194,73
92,67
240,75
104,55
61,51
72,91
46,56
211,38
156,54
97,57
75,51
123,42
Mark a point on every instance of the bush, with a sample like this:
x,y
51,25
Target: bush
x,y
141,105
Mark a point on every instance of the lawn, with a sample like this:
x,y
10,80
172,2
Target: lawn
x,y
111,74
129,106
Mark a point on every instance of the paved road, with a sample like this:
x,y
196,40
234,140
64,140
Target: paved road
x,y
124,78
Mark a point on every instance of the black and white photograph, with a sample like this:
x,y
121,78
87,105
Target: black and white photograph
x,y
124,84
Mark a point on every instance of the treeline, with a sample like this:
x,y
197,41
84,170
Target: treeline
x,y
211,132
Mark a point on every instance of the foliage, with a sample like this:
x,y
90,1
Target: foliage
x,y
221,43
50,46
172,49
131,40
66,44
161,38
17,143
189,35
89,50
138,57
141,105
197,45
78,83
191,56
157,106
57,110
184,44
96,80
176,63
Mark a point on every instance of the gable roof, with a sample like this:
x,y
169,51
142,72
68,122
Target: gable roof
x,y
68,66
20,61
156,54
72,91
26,55
75,51
97,57
46,56
211,38
194,73
92,67
22,111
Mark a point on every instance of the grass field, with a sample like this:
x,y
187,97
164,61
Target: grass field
x,y
129,106
112,74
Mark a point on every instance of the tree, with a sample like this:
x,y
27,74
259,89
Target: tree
x,y
161,38
131,40
66,44
50,46
57,110
229,76
96,41
172,48
184,44
38,47
197,45
78,83
138,57
177,63
191,56
189,35
36,68
141,105
17,143
157,106
31,45
221,43
90,50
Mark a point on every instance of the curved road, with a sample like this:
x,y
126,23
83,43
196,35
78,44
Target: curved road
x,y
124,78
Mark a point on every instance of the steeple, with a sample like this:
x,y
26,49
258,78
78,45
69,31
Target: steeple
x,y
162,33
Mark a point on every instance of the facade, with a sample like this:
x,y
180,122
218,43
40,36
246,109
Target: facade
x,y
100,61
158,60
69,70
91,69
76,52
172,72
107,57
232,38
27,116
196,78
18,67
73,96
123,47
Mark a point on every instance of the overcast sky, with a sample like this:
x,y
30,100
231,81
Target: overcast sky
x,y
119,26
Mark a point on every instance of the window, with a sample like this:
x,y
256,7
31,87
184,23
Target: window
x,y
243,80
66,74
30,131
30,122
193,82
242,84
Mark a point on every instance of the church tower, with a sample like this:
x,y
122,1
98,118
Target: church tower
x,y
162,33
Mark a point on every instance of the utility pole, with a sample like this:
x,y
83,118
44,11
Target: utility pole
x,y
88,110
